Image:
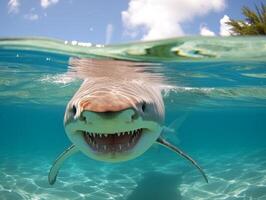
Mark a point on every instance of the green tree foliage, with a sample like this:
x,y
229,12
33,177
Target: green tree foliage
x,y
254,23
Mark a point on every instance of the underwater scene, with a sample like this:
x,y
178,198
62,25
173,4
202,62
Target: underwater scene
x,y
215,111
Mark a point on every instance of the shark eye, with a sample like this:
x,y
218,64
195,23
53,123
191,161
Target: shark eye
x,y
74,110
143,107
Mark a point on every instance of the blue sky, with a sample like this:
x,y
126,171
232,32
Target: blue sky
x,y
102,21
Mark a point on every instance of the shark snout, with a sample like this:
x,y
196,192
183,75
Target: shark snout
x,y
109,119
107,103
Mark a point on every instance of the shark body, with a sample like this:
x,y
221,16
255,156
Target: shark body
x,y
116,115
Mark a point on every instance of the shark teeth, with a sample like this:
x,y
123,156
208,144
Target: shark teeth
x,y
134,132
112,142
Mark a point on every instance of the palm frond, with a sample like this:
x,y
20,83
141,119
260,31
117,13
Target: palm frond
x,y
253,24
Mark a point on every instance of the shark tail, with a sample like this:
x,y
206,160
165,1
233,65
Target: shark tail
x,y
171,131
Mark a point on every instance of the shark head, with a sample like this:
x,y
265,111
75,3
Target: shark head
x,y
115,115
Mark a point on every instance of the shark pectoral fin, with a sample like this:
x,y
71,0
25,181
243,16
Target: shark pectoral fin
x,y
184,155
59,161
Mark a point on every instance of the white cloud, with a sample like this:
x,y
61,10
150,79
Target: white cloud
x,y
162,18
47,3
108,33
13,6
31,16
205,31
225,28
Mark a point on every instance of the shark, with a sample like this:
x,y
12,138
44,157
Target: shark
x,y
117,114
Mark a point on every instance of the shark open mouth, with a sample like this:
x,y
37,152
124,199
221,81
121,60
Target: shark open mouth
x,y
112,142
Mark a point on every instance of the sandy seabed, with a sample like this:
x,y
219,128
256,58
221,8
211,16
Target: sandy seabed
x,y
238,175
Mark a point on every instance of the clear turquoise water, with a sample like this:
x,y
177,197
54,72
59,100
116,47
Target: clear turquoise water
x,y
219,82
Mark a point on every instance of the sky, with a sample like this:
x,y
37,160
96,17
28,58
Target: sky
x,y
118,21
